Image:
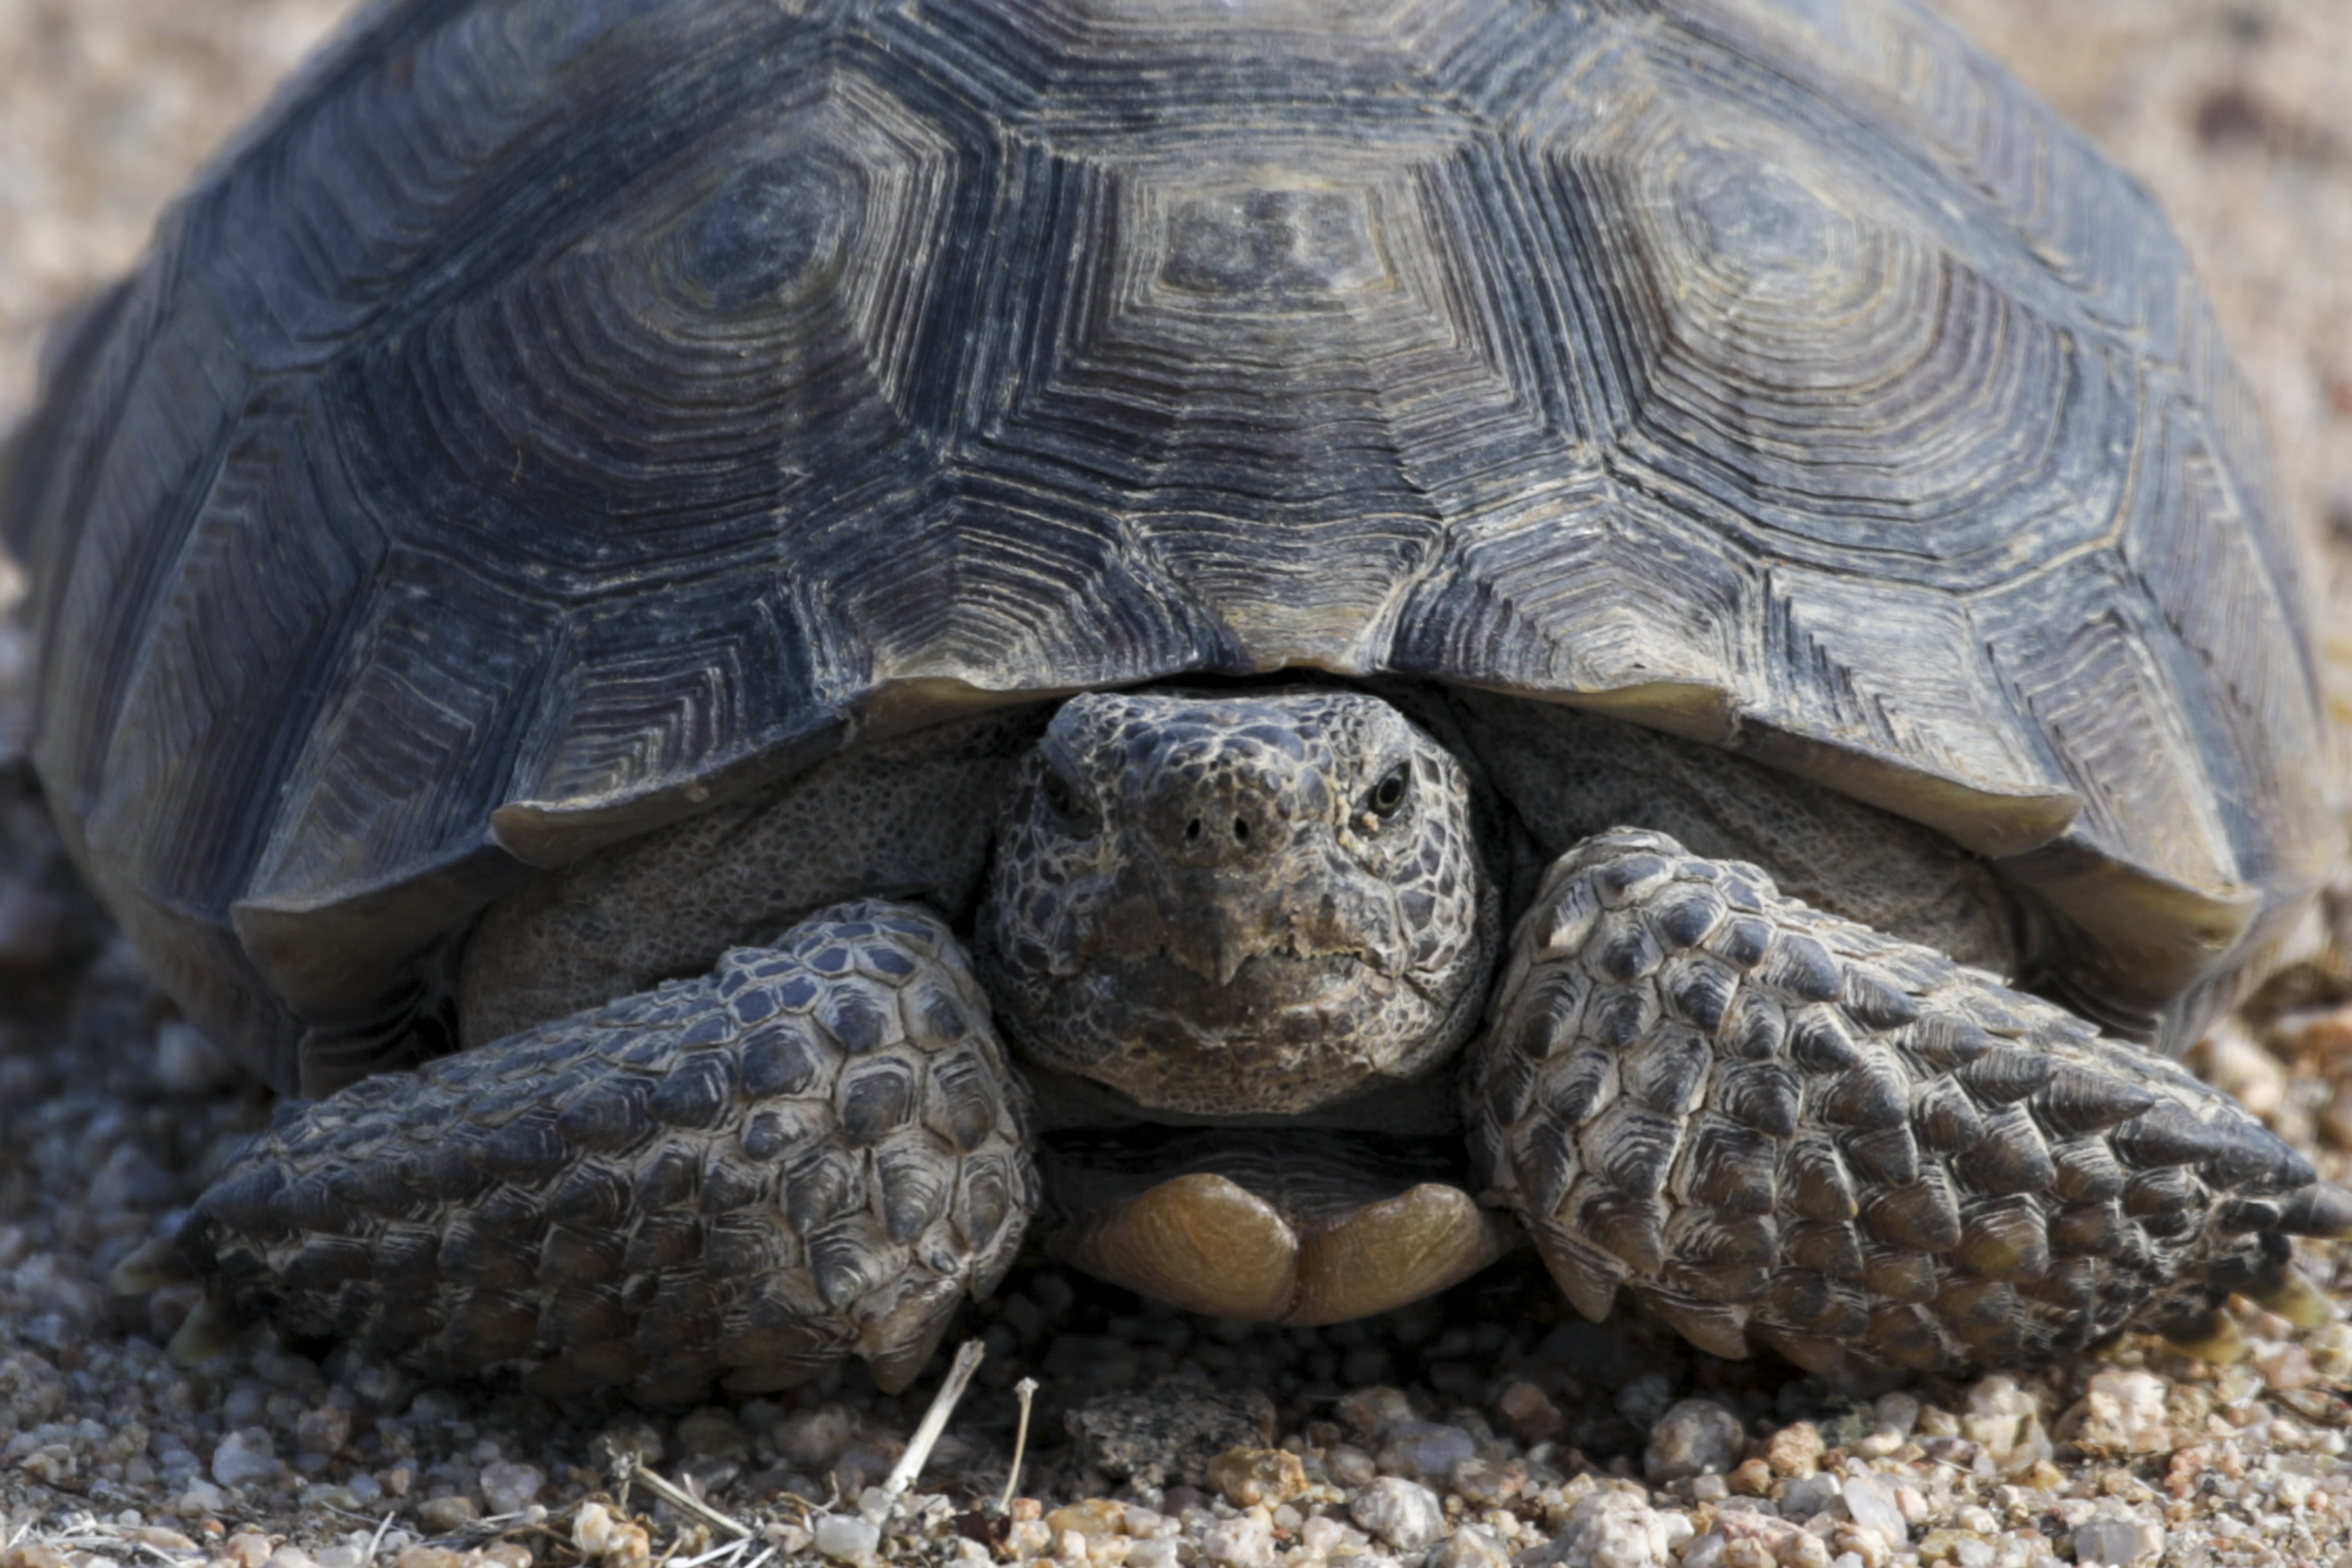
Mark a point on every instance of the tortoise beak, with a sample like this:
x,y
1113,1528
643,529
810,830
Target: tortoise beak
x,y
1211,944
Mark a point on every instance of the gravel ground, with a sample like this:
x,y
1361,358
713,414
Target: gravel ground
x,y
1490,1427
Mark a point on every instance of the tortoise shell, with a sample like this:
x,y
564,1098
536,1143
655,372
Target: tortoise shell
x,y
557,414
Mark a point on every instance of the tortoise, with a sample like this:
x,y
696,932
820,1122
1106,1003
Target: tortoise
x,y
770,648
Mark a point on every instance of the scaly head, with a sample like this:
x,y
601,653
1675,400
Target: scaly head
x,y
1239,905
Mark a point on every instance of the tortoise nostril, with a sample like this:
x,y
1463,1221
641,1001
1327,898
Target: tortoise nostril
x,y
1241,830
1193,831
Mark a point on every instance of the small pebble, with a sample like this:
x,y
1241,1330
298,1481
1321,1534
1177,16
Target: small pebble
x,y
324,1430
509,1488
2118,1539
1403,1514
1795,1449
627,1545
846,1538
1471,1546
1481,1484
1618,1529
1249,1476
1241,1541
1871,1502
592,1527
199,1497
443,1514
1897,1413
2121,1415
1423,1450
1098,1517
1693,1437
1367,1410
246,1457
1350,1467
428,1557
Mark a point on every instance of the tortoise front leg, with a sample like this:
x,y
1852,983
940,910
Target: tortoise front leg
x,y
815,1152
1774,1125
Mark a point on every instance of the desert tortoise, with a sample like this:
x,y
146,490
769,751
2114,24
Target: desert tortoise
x,y
1485,618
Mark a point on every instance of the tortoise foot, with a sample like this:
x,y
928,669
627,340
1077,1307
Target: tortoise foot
x,y
1774,1126
814,1152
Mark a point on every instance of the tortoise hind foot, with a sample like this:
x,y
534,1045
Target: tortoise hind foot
x,y
814,1152
1774,1126
1300,1228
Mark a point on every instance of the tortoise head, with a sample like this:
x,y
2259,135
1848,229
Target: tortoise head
x,y
1236,905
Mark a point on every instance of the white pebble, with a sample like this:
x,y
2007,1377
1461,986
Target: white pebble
x,y
1707,1551
1351,1466
592,1527
1871,1502
846,1538
1471,1546
1405,1514
508,1488
200,1496
1618,1529
1807,1496
245,1458
1323,1536
2118,1539
2122,1413
1160,1551
1239,1543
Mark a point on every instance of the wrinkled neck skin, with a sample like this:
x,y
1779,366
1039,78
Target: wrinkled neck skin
x,y
1224,907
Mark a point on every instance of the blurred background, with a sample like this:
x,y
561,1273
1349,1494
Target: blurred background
x,y
2237,113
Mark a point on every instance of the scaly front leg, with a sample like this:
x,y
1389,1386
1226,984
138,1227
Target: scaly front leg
x,y
1774,1125
816,1150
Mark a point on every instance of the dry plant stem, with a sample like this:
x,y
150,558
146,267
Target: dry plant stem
x,y
627,1468
1026,1390
935,1420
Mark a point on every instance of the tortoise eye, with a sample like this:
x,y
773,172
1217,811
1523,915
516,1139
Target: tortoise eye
x,y
1060,798
1388,793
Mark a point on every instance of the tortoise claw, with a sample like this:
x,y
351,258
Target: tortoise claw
x,y
156,1263
2211,1336
2295,1298
2322,1210
211,1328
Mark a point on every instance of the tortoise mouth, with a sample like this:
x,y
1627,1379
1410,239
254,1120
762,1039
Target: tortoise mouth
x,y
1301,997
1286,1033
